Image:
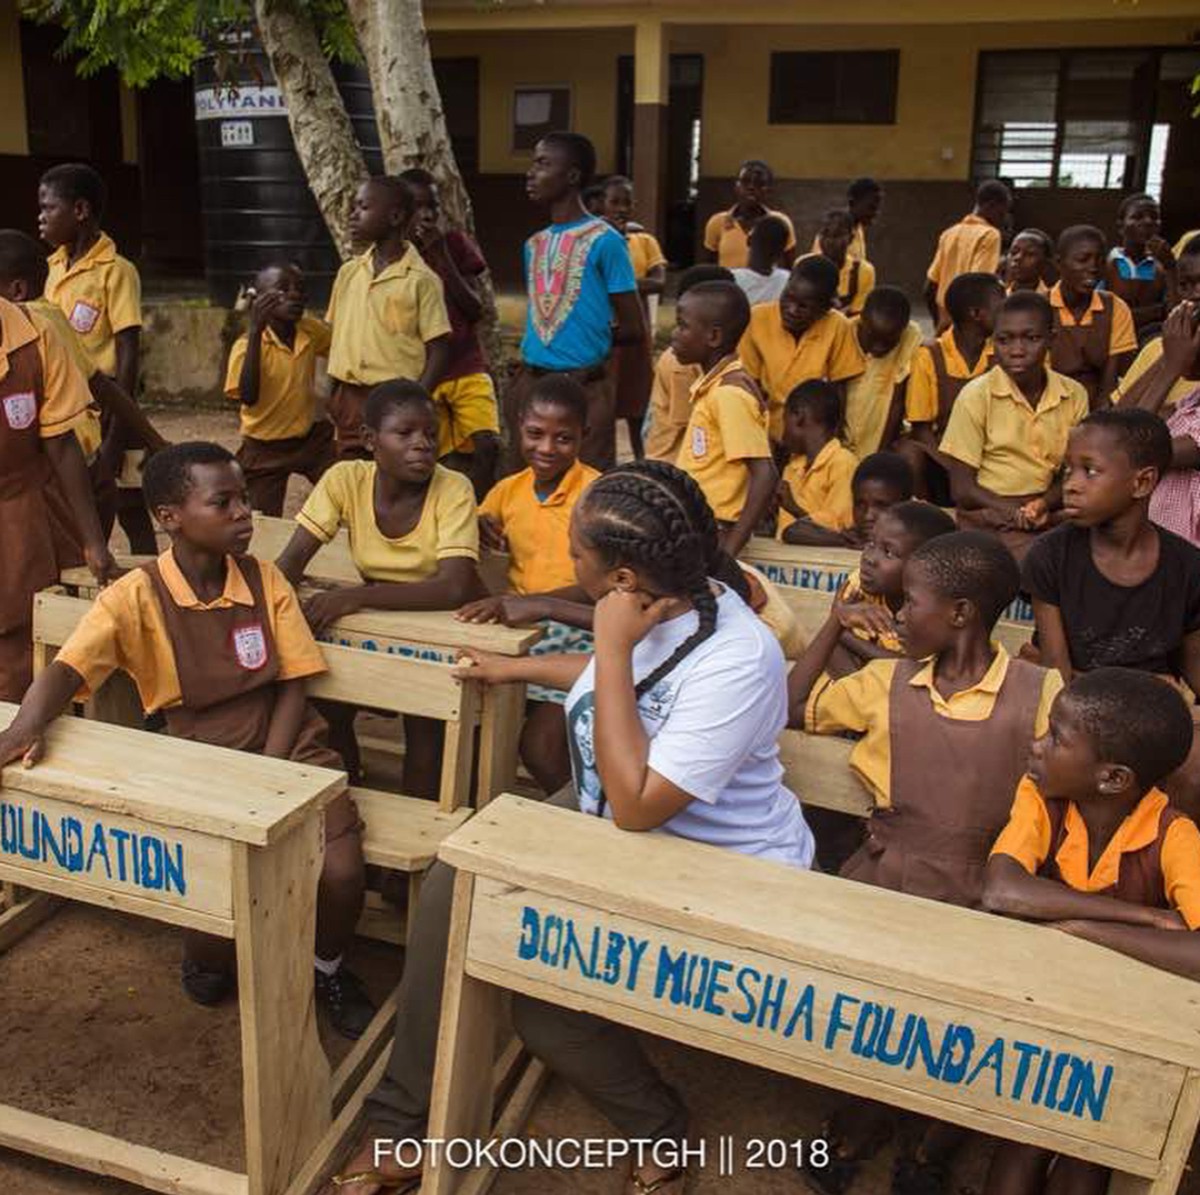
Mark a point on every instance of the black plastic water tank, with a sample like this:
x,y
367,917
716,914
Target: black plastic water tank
x,y
254,198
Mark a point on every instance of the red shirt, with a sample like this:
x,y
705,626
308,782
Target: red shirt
x,y
466,353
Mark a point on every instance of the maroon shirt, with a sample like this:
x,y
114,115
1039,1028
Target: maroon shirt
x,y
466,353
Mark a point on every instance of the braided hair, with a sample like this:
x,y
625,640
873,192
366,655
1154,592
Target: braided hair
x,y
651,516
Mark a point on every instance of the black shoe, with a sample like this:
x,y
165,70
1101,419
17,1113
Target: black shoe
x,y
206,987
345,1000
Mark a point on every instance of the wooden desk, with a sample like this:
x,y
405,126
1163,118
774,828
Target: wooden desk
x,y
1011,1029
214,840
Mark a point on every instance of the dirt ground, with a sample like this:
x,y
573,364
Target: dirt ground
x,y
98,1032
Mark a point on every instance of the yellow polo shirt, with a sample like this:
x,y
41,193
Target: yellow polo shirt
x,y
864,285
287,397
724,236
448,526
101,295
645,253
382,322
1026,839
539,545
728,425
125,630
1122,337
66,395
856,248
52,324
869,396
970,246
1015,449
779,362
921,398
822,489
670,406
1150,355
859,703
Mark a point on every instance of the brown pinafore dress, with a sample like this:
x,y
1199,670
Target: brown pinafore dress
x,y
1081,352
228,670
952,787
1139,876
28,558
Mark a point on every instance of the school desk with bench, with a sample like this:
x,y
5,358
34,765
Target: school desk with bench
x,y
1010,1029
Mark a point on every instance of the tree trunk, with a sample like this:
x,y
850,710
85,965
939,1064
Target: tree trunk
x,y
412,124
321,129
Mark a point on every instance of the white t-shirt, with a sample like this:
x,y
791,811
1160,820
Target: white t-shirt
x,y
714,722
761,288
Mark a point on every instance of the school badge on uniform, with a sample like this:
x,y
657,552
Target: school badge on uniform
x,y
699,442
20,410
250,647
83,317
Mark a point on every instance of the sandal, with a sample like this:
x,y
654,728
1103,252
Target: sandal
x,y
387,1186
642,1187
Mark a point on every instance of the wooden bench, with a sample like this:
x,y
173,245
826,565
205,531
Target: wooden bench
x,y
1011,1029
212,840
825,569
401,833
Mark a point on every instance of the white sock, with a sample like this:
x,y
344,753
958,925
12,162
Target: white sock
x,y
327,966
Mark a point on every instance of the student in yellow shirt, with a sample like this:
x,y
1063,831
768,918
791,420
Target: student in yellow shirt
x,y
814,493
726,234
940,370
970,246
1030,259
799,338
100,294
1008,432
413,536
528,515
888,338
856,275
725,446
272,373
1094,339
670,392
387,311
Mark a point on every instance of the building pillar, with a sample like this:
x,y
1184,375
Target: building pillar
x,y
652,78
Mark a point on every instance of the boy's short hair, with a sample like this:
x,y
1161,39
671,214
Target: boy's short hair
x,y
731,305
558,390
890,468
772,233
1131,201
838,215
860,188
820,273
73,181
1036,234
973,566
416,176
922,520
888,303
820,399
969,291
393,396
278,263
993,191
580,152
1080,232
1029,302
1143,436
759,166
617,180
397,189
22,260
709,272
1132,718
167,477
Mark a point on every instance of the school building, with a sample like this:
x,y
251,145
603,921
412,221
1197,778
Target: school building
x,y
1075,101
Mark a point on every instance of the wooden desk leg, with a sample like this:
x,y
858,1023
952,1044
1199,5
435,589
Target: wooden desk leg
x,y
1175,1150
499,734
461,1105
286,1084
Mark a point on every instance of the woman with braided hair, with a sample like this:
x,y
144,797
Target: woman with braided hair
x,y
674,726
